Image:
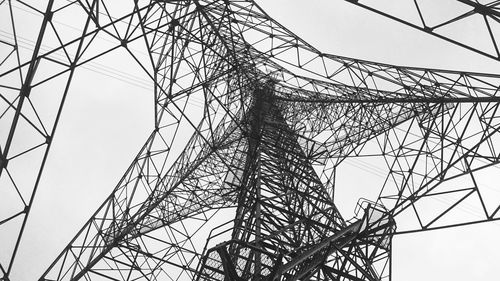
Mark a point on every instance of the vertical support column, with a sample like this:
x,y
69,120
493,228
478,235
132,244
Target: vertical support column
x,y
258,115
258,221
26,86
4,153
248,220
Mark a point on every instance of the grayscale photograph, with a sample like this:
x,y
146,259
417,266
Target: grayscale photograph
x,y
249,140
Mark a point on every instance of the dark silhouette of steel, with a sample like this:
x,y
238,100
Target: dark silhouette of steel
x,y
252,194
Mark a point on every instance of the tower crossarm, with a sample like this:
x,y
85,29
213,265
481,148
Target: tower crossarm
x,y
264,43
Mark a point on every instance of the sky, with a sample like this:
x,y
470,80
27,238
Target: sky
x,y
106,120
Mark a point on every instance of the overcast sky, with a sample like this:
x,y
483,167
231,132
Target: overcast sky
x,y
106,121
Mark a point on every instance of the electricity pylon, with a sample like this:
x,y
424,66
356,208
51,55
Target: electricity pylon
x,y
250,195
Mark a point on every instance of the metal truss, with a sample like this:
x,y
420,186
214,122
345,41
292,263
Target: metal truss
x,y
250,195
474,25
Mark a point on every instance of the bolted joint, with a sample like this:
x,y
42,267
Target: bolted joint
x,y
25,91
199,7
3,162
482,9
49,15
173,24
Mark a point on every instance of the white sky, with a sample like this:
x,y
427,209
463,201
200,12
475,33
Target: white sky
x,y
106,121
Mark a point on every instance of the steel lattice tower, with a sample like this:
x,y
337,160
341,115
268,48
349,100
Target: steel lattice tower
x,y
245,188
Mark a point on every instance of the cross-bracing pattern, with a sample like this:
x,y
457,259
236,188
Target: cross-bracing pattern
x,y
279,117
